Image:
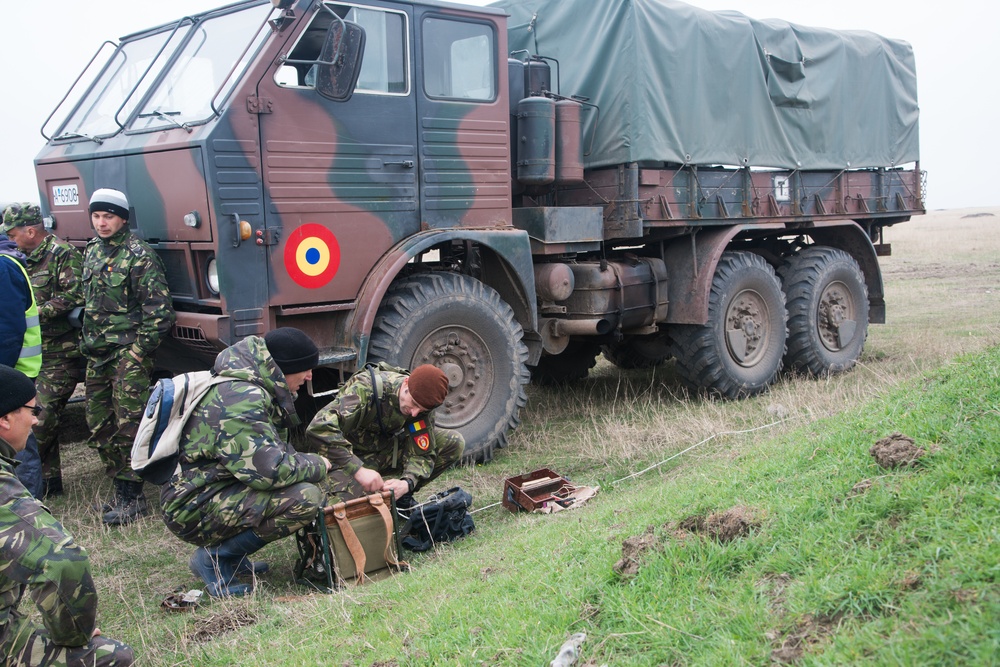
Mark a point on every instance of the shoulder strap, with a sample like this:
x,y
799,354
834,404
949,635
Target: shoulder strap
x,y
377,396
176,426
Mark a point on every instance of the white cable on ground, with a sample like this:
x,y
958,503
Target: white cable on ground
x,y
698,444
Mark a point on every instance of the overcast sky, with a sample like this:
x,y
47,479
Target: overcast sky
x,y
45,45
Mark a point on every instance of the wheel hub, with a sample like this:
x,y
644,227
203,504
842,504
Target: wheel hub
x,y
463,356
746,330
836,320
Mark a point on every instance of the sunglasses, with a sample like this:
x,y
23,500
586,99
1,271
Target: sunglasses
x,y
35,409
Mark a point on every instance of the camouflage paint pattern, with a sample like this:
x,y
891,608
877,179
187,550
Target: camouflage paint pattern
x,y
39,558
55,268
368,189
359,430
128,311
237,469
280,158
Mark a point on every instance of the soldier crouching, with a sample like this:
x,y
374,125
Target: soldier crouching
x,y
379,433
240,485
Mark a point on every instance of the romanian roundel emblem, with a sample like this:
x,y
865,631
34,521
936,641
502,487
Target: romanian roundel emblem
x,y
312,255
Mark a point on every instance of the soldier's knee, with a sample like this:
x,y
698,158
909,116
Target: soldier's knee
x,y
312,496
452,447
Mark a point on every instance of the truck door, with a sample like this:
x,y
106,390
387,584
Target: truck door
x,y
464,163
340,178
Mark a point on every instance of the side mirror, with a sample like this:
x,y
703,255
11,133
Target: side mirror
x,y
339,62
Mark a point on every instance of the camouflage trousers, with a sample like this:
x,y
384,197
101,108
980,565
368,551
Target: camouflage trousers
x,y
56,382
236,508
29,645
117,391
448,447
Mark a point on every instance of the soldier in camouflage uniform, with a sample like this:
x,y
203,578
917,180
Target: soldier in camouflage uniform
x,y
39,557
55,268
386,440
240,484
127,314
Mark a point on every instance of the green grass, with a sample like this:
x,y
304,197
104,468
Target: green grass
x,y
902,573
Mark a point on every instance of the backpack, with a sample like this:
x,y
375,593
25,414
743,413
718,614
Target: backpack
x,y
443,518
156,449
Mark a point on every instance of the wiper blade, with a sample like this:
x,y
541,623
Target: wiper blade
x,y
166,115
78,135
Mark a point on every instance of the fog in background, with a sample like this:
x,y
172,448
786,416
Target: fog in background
x,y
47,44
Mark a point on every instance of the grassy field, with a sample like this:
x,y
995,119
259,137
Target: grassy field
x,y
775,537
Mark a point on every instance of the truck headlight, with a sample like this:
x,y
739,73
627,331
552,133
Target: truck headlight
x,y
212,276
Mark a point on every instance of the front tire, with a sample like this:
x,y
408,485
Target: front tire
x,y
463,327
739,351
827,311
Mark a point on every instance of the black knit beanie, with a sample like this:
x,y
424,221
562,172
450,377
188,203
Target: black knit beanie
x,y
292,350
16,389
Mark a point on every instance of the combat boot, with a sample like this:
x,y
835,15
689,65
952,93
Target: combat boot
x,y
218,566
128,504
52,486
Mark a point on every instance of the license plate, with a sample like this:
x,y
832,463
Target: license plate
x,y
65,195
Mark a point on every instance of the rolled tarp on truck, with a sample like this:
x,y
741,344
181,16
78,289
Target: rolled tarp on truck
x,y
684,85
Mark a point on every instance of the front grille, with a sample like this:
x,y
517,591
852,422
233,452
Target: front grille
x,y
194,338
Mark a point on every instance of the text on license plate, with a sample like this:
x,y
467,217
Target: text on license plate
x,y
65,195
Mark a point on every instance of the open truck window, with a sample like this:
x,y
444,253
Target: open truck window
x,y
384,65
458,60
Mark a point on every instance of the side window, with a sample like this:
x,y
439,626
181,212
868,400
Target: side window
x,y
384,65
458,60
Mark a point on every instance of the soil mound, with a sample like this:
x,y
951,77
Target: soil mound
x,y
896,451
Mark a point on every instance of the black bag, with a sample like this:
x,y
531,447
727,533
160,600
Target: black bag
x,y
443,518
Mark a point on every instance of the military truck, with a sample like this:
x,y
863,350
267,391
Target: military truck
x,y
507,192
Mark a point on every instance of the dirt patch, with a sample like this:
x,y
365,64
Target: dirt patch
x,y
220,624
385,663
896,451
977,215
810,631
722,526
633,549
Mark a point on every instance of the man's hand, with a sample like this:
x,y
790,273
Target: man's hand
x,y
397,486
369,479
326,462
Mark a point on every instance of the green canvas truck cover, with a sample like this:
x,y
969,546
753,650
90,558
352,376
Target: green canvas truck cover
x,y
679,84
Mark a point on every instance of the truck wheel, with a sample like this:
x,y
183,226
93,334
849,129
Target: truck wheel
x,y
637,352
572,364
463,327
739,351
827,310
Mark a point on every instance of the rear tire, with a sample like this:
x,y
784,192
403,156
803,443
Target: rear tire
x,y
463,327
739,351
827,311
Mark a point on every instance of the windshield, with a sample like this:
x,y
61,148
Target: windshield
x,y
175,74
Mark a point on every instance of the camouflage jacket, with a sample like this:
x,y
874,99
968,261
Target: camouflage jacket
x,y
55,268
238,433
126,296
38,555
347,431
